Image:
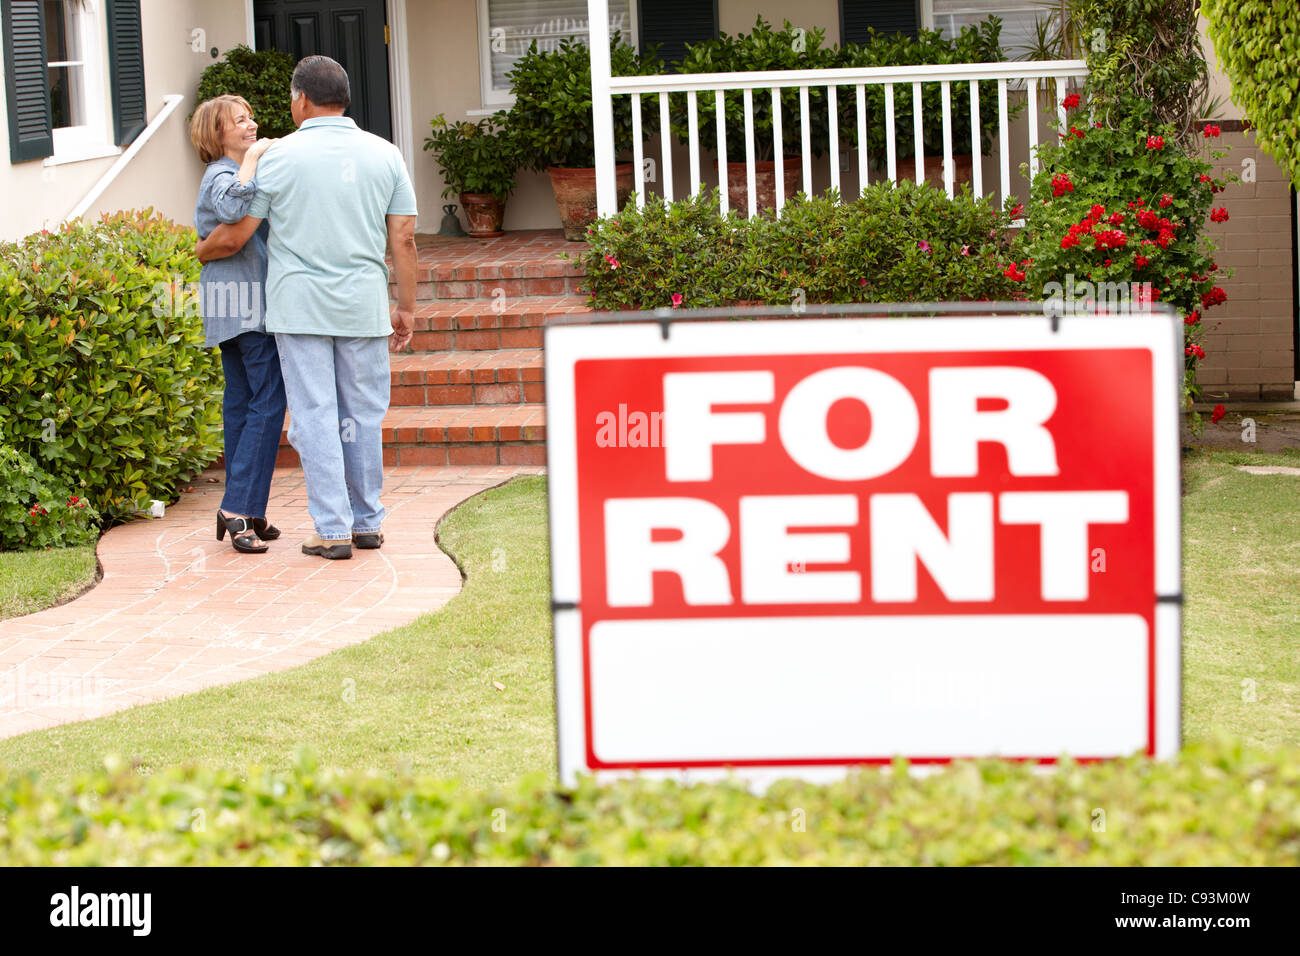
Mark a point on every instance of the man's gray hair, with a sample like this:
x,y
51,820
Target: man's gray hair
x,y
322,81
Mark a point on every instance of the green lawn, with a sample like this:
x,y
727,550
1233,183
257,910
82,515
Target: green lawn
x,y
33,580
423,698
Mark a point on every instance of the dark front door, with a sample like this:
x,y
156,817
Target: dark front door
x,y
350,31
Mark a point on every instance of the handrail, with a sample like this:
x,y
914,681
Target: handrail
x,y
170,102
851,76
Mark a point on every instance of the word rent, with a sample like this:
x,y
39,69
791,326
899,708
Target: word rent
x,y
684,535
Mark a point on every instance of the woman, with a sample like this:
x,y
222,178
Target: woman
x,y
234,310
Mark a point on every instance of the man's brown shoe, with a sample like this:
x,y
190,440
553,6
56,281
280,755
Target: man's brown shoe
x,y
368,540
332,549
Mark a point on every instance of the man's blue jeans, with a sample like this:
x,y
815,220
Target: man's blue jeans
x,y
252,417
338,392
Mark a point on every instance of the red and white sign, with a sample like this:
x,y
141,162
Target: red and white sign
x,y
795,546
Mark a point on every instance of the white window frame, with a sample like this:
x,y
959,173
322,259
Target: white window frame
x,y
993,8
90,140
494,99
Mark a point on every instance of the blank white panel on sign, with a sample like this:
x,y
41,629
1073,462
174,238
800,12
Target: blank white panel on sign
x,y
807,688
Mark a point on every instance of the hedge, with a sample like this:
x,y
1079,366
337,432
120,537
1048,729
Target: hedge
x,y
903,243
1219,804
104,379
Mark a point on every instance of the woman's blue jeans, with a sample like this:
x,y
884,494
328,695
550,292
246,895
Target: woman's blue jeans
x,y
253,416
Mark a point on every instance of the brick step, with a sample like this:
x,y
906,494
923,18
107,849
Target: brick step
x,y
501,377
478,326
529,263
456,435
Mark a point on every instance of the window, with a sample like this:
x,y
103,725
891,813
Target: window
x,y
73,40
508,27
1018,18
58,85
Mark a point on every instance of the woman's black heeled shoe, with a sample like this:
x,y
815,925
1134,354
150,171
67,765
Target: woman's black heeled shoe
x,y
242,535
265,530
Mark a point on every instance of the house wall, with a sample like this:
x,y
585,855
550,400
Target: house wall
x,y
166,172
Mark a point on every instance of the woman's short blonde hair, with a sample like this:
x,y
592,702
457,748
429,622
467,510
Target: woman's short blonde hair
x,y
209,123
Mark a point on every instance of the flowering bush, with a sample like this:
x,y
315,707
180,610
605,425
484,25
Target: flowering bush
x,y
37,511
906,243
1115,218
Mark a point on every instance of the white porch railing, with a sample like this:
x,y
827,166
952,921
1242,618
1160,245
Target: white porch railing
x,y
720,85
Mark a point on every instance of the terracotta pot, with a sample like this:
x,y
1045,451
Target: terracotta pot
x,y
484,214
934,169
575,194
764,184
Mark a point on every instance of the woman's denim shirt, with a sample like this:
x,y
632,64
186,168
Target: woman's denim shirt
x,y
234,288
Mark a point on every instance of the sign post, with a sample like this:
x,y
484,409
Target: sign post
x,y
785,548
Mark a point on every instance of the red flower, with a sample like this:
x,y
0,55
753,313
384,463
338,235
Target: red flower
x,y
862,281
1097,125
1070,240
1077,132
1139,261
1097,212
1210,132
1191,318
1155,142
1219,215
1166,200
1061,185
1147,219
1018,211
1219,412
1116,219
1205,178
1071,101
1215,296
1014,274
677,299
1194,350
1166,236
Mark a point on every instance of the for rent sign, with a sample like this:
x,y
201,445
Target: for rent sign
x,y
795,546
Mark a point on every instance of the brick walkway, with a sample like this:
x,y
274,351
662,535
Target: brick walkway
x,y
177,611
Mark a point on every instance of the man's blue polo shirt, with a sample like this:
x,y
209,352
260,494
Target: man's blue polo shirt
x,y
326,190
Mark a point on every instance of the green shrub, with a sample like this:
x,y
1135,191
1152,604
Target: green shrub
x,y
975,44
262,78
552,113
762,49
1155,197
104,379
1217,805
480,157
39,511
1258,44
906,243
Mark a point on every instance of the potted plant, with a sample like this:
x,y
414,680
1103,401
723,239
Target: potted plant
x,y
975,44
761,49
553,120
478,162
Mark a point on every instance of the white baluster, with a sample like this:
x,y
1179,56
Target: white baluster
x,y
1060,98
918,138
976,154
891,148
638,152
723,178
805,128
1031,102
778,149
665,147
749,153
693,132
833,115
1004,142
862,138
949,172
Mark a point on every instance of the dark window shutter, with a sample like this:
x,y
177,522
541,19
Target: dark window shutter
x,y
126,59
671,24
884,16
26,85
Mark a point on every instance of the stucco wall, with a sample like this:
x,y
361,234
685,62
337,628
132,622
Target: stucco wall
x,y
165,174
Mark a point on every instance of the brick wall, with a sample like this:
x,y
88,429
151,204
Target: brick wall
x,y
1249,339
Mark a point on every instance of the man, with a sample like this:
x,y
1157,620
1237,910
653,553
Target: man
x,y
334,195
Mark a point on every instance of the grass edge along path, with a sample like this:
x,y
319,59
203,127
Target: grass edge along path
x,y
465,692
32,581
